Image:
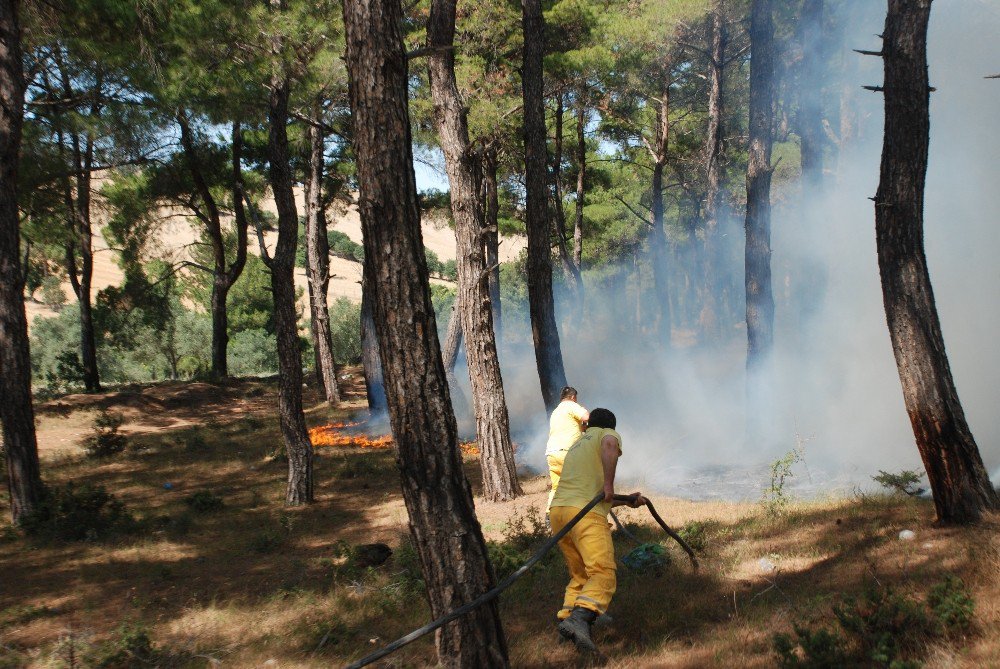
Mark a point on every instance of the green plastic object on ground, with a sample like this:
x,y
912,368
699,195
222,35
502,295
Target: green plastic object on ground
x,y
647,557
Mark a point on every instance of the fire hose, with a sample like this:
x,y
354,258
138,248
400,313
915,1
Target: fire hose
x,y
507,582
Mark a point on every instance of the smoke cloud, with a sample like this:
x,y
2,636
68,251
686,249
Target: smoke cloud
x,y
682,415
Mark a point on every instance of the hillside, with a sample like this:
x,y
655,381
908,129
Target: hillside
x,y
176,234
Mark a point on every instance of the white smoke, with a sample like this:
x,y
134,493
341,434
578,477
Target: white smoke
x,y
682,415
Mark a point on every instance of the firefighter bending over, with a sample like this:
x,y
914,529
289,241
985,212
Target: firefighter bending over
x,y
588,468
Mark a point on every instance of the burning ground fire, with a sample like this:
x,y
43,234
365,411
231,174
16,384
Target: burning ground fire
x,y
348,435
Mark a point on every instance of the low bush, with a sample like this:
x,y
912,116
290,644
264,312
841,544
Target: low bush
x,y
204,501
523,535
883,628
106,440
952,605
130,647
904,482
79,513
695,534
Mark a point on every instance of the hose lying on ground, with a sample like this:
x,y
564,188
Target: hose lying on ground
x,y
673,535
507,582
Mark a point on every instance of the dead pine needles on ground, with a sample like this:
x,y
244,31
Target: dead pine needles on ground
x,y
194,561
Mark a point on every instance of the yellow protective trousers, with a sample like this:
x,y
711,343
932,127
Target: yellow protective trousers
x,y
590,557
555,461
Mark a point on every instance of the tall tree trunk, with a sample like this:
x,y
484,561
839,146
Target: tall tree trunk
x,y
760,300
17,414
291,418
658,235
811,81
85,239
318,268
82,236
371,361
712,262
541,305
239,219
847,122
958,479
492,423
491,238
581,177
449,353
571,272
438,497
212,220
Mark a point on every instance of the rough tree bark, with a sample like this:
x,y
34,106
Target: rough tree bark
x,y
811,82
318,268
223,274
491,237
449,354
291,418
438,497
541,305
958,479
492,422
24,482
571,271
371,362
760,299
710,319
657,234
581,176
76,195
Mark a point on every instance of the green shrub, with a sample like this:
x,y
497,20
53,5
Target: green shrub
x,y
129,648
106,440
267,540
67,374
905,482
405,558
195,441
952,605
883,628
821,649
523,535
177,526
775,497
252,353
271,538
345,330
884,624
694,533
204,501
53,295
84,513
22,614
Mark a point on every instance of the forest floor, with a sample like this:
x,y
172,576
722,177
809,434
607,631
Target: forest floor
x,y
251,583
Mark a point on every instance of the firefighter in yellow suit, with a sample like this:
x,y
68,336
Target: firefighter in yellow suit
x,y
588,469
565,427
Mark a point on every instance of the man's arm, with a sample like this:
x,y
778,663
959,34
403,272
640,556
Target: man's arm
x,y
609,458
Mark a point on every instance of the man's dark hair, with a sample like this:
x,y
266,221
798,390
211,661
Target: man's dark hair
x,y
602,418
567,392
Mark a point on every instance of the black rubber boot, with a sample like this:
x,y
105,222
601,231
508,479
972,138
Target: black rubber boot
x,y
577,629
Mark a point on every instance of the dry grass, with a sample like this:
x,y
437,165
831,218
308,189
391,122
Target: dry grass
x,y
255,582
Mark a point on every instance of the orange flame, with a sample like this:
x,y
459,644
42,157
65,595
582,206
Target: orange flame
x,y
332,435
